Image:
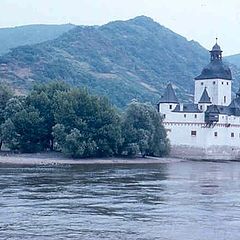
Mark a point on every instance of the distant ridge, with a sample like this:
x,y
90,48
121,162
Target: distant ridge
x,y
123,60
234,59
29,34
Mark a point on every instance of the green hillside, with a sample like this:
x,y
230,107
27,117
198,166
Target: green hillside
x,y
123,60
234,59
31,34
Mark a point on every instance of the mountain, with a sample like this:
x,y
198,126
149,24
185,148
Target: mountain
x,y
234,59
31,34
123,60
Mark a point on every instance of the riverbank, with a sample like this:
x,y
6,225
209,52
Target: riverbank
x,y
59,159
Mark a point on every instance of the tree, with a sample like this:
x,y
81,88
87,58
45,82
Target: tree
x,y
55,116
159,144
25,132
23,128
59,134
74,144
5,94
143,131
42,99
81,125
10,135
91,125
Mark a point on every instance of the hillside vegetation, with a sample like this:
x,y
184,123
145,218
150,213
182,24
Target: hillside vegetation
x,y
234,59
123,60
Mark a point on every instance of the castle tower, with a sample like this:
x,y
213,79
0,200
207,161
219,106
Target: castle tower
x,y
204,101
168,101
217,77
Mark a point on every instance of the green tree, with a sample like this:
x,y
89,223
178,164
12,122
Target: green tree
x,y
28,127
23,128
9,134
13,106
77,145
73,144
143,131
59,134
42,99
87,119
5,94
159,144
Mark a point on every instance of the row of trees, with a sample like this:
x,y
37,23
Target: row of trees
x,y
57,117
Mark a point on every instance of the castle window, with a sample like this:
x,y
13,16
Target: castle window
x,y
195,115
215,134
214,82
201,83
185,115
193,133
232,135
201,108
222,83
227,83
225,99
170,106
164,116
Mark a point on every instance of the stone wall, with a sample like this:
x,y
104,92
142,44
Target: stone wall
x,y
210,153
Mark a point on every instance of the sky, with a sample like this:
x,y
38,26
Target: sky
x,y
199,20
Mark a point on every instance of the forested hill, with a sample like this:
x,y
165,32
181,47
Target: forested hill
x,y
234,59
30,34
123,60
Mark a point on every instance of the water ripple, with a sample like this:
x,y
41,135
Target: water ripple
x,y
187,200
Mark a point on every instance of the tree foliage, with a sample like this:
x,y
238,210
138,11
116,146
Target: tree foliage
x,y
5,94
57,117
33,118
23,129
90,124
143,131
42,99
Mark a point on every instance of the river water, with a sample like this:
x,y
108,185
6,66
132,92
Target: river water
x,y
177,201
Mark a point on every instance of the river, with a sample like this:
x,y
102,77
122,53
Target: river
x,y
176,201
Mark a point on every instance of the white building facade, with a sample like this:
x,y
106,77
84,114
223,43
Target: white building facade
x,y
210,126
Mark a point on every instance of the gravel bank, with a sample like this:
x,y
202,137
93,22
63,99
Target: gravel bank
x,y
56,159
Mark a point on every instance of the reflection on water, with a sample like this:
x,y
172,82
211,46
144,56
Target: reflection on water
x,y
187,200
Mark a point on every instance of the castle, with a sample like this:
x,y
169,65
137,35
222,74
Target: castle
x,y
209,127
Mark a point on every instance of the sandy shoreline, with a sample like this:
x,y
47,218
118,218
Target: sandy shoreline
x,y
58,159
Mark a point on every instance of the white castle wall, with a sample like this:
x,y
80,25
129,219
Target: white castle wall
x,y
180,134
166,108
219,141
217,90
183,117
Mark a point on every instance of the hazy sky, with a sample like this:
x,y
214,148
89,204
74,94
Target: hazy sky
x,y
201,20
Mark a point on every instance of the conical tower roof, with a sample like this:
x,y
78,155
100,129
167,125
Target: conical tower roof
x,y
169,95
205,97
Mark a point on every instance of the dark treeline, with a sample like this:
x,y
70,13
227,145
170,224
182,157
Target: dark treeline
x,y
57,117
